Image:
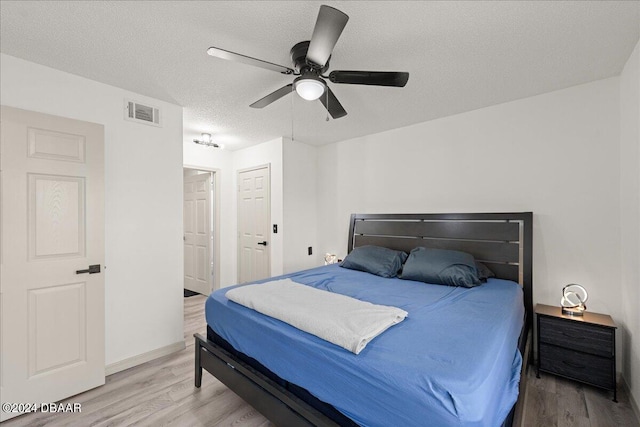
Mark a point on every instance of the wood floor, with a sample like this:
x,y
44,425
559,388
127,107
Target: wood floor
x,y
161,393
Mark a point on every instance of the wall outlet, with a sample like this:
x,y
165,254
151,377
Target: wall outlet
x,y
310,250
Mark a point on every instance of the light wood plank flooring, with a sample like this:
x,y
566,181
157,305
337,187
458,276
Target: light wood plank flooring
x,y
558,402
161,393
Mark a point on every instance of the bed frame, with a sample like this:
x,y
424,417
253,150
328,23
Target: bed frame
x,y
503,241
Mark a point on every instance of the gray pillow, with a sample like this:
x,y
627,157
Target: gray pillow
x,y
376,260
441,267
484,272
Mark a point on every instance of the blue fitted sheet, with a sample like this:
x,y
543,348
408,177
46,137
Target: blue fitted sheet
x,y
452,362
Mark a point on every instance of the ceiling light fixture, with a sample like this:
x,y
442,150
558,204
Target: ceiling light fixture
x,y
309,87
206,140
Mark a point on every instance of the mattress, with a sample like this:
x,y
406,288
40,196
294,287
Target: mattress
x,y
452,362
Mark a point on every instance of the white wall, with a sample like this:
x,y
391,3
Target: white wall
x,y
293,201
630,219
300,211
143,193
556,154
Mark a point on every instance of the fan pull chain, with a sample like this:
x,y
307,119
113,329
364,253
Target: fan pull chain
x,y
292,110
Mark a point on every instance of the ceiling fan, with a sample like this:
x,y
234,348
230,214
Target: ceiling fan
x,y
310,60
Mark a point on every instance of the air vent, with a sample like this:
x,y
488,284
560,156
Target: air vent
x,y
142,113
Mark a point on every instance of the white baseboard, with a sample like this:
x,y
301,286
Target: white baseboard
x,y
632,400
143,358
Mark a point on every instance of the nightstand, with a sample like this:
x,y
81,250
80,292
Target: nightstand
x,y
582,348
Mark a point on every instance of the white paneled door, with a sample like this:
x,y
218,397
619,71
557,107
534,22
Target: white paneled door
x,y
52,231
254,232
197,233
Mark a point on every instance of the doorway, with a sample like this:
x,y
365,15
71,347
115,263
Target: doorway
x,y
51,280
200,232
254,219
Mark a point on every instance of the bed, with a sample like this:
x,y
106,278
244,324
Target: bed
x,y
421,371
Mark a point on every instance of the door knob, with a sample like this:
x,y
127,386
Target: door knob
x,y
93,269
263,243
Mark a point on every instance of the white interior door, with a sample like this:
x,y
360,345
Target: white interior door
x,y
197,233
52,200
254,218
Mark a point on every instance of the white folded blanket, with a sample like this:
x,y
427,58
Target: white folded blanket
x,y
339,319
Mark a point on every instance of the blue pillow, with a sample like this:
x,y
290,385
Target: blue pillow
x,y
376,260
441,267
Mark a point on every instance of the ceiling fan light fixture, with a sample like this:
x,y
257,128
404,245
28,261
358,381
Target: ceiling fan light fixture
x,y
309,88
310,60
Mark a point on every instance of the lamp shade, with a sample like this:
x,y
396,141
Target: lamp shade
x,y
309,88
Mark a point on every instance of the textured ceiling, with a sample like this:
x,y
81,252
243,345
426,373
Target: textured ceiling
x,y
461,56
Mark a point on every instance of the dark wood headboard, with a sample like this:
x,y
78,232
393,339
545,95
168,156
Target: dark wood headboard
x,y
503,241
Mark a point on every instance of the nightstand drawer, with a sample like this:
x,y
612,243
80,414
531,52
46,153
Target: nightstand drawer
x,y
577,336
580,366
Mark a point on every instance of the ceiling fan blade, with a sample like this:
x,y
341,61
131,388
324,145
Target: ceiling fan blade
x,y
237,57
335,108
329,26
375,78
273,96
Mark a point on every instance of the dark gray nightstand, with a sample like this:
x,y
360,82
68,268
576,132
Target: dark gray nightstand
x,y
582,348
